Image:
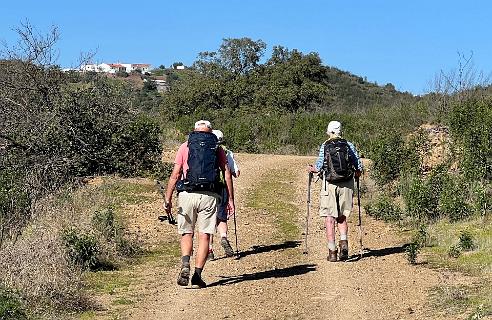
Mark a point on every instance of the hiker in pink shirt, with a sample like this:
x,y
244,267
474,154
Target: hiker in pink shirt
x,y
195,176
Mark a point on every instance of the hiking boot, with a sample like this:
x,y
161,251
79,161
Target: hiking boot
x,y
343,244
197,282
211,255
227,247
332,255
184,275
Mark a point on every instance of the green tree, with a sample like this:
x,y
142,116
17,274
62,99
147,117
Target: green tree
x,y
241,56
290,81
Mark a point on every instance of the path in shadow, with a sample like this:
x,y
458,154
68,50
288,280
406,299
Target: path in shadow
x,y
275,273
378,252
270,247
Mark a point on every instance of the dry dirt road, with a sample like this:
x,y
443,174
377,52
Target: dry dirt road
x,y
273,279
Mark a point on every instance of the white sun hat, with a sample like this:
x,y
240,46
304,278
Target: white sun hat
x,y
219,135
334,127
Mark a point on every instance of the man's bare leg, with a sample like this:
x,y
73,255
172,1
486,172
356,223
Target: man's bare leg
x,y
343,230
330,236
186,248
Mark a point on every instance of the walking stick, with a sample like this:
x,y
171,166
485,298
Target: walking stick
x,y
310,177
235,233
360,219
169,216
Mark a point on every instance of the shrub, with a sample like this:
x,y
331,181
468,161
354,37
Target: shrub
x,y
466,242
161,171
105,222
422,195
481,201
412,251
453,199
136,148
388,155
480,312
441,194
420,202
415,149
454,251
122,74
11,307
471,127
421,236
126,248
82,249
14,204
384,208
89,127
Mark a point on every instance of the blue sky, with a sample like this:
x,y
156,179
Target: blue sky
x,y
401,42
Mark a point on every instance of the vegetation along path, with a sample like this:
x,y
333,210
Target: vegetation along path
x,y
273,279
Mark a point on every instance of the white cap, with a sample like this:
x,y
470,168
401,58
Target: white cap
x,y
219,135
334,127
203,123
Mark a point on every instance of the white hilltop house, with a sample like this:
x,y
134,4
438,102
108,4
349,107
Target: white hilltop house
x,y
115,67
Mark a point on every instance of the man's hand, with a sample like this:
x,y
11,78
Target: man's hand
x,y
231,208
168,206
311,168
358,173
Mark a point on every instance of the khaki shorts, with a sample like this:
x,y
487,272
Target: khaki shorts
x,y
328,204
197,208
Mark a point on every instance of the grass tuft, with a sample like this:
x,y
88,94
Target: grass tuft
x,y
274,194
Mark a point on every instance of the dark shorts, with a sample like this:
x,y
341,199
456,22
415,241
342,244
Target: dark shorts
x,y
222,208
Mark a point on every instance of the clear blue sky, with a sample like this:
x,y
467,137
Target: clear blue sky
x,y
401,42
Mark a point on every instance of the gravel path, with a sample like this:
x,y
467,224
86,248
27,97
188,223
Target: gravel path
x,y
274,280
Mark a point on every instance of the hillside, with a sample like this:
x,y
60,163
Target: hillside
x,y
352,93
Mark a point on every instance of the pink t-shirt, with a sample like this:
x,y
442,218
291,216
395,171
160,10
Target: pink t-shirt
x,y
182,158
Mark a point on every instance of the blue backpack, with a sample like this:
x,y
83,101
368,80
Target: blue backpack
x,y
204,172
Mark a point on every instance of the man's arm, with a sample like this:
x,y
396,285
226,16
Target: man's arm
x,y
231,208
319,162
224,166
356,162
170,187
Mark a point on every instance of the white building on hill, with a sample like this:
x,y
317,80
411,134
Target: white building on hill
x,y
116,67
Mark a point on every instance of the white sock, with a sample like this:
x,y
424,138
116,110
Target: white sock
x,y
223,235
331,245
343,236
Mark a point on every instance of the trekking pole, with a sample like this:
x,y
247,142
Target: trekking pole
x,y
360,218
235,233
310,178
169,216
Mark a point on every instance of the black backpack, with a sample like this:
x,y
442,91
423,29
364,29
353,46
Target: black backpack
x,y
203,163
337,164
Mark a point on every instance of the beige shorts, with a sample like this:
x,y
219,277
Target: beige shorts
x,y
197,208
336,199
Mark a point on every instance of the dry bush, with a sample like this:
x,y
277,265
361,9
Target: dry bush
x,y
37,264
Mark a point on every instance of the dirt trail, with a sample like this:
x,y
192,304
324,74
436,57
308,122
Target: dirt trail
x,y
274,280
